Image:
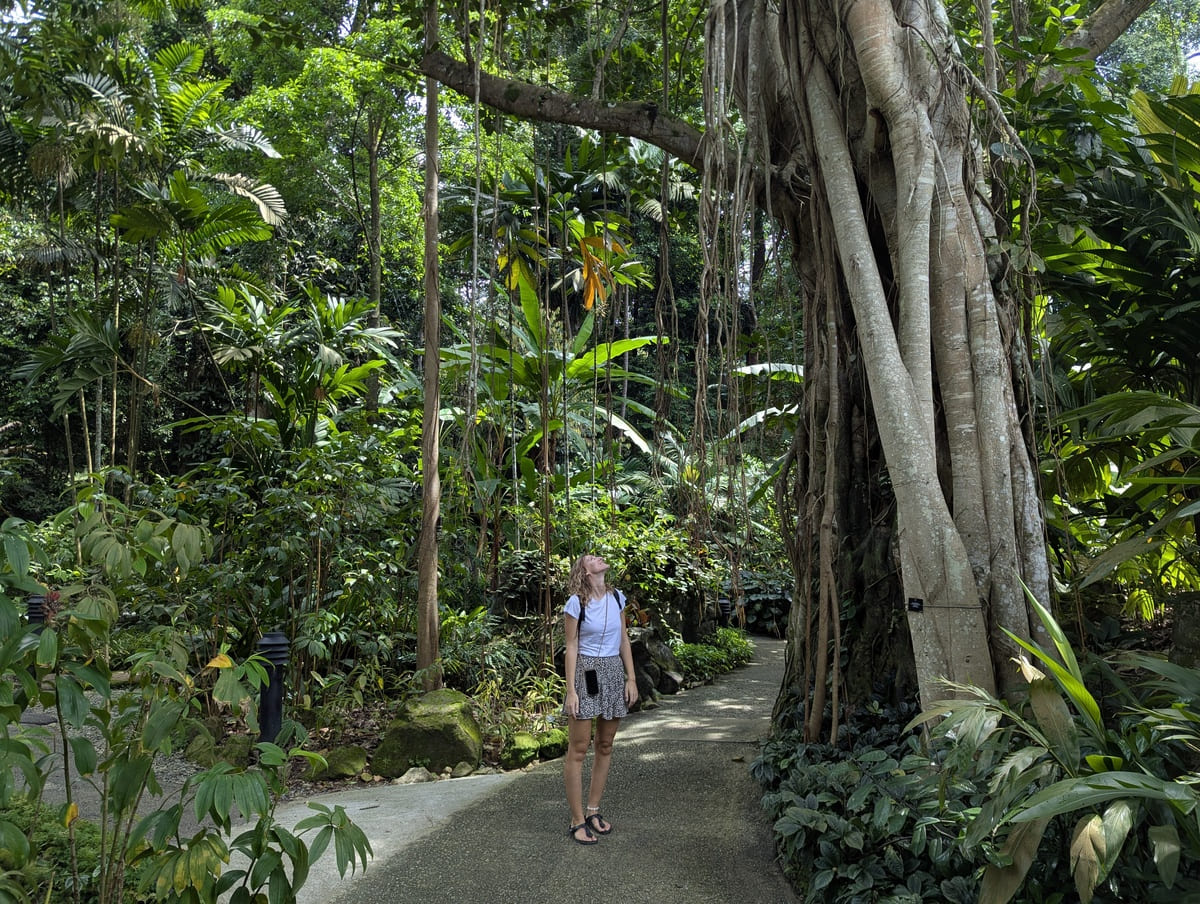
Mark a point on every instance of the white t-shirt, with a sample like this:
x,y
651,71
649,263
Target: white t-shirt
x,y
600,628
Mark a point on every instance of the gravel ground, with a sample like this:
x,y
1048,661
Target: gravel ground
x,y
171,771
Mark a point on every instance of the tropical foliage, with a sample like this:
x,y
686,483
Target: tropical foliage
x,y
213,288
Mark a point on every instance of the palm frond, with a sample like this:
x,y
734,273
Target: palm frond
x,y
264,195
245,138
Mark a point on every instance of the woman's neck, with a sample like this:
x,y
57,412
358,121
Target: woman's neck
x,y
596,592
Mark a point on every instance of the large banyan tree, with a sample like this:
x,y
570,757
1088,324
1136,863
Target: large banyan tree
x,y
911,485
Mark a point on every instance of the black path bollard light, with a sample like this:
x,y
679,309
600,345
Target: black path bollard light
x,y
35,610
274,648
35,614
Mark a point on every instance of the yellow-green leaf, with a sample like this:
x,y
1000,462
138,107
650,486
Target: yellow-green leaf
x,y
71,814
1099,763
1087,855
220,661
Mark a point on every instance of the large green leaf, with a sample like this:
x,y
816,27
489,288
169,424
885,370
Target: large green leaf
x,y
1164,840
47,651
1118,820
1094,790
15,844
1055,720
164,717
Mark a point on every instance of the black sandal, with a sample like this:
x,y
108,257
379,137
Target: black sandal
x,y
593,822
591,839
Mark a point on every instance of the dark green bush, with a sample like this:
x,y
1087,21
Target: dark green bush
x,y
871,821
721,652
767,600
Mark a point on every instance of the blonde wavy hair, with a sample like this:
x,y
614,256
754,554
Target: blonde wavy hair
x,y
577,580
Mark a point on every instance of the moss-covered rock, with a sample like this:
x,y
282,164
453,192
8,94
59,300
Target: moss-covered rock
x,y
341,762
236,750
552,744
519,750
436,730
202,750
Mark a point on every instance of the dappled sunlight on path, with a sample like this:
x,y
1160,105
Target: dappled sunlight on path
x,y
688,827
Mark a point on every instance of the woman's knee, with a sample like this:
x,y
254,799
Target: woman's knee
x,y
577,748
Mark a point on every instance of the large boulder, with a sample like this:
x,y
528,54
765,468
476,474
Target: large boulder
x,y
657,669
552,744
436,730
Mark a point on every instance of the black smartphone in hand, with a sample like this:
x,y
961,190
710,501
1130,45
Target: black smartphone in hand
x,y
591,682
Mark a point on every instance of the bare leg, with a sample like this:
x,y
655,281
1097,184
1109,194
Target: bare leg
x,y
579,736
606,730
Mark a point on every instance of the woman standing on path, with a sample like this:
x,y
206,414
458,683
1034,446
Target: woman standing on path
x,y
600,686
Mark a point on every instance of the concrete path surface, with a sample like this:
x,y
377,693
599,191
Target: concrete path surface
x,y
687,825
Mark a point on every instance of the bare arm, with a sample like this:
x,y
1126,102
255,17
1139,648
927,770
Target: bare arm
x,y
570,657
631,688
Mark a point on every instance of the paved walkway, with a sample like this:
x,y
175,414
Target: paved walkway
x,y
688,828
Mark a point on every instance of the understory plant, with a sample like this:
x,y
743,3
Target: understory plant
x,y
1055,797
109,736
722,651
870,819
1107,790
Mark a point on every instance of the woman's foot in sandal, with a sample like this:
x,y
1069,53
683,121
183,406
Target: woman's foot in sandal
x,y
588,837
596,822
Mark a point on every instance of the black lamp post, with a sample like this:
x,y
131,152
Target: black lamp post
x,y
274,648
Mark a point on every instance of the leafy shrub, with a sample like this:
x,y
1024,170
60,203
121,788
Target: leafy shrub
x,y
737,647
1112,795
522,579
51,876
62,664
723,651
653,560
473,647
767,601
530,702
871,820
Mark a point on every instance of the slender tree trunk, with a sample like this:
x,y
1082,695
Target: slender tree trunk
x,y
375,128
427,550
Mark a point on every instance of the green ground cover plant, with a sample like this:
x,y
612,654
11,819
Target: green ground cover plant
x,y
1058,796
869,820
723,651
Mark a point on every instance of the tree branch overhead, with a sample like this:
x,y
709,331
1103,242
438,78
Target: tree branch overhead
x,y
546,104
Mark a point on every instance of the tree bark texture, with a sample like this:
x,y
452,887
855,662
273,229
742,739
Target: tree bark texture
x,y
863,90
